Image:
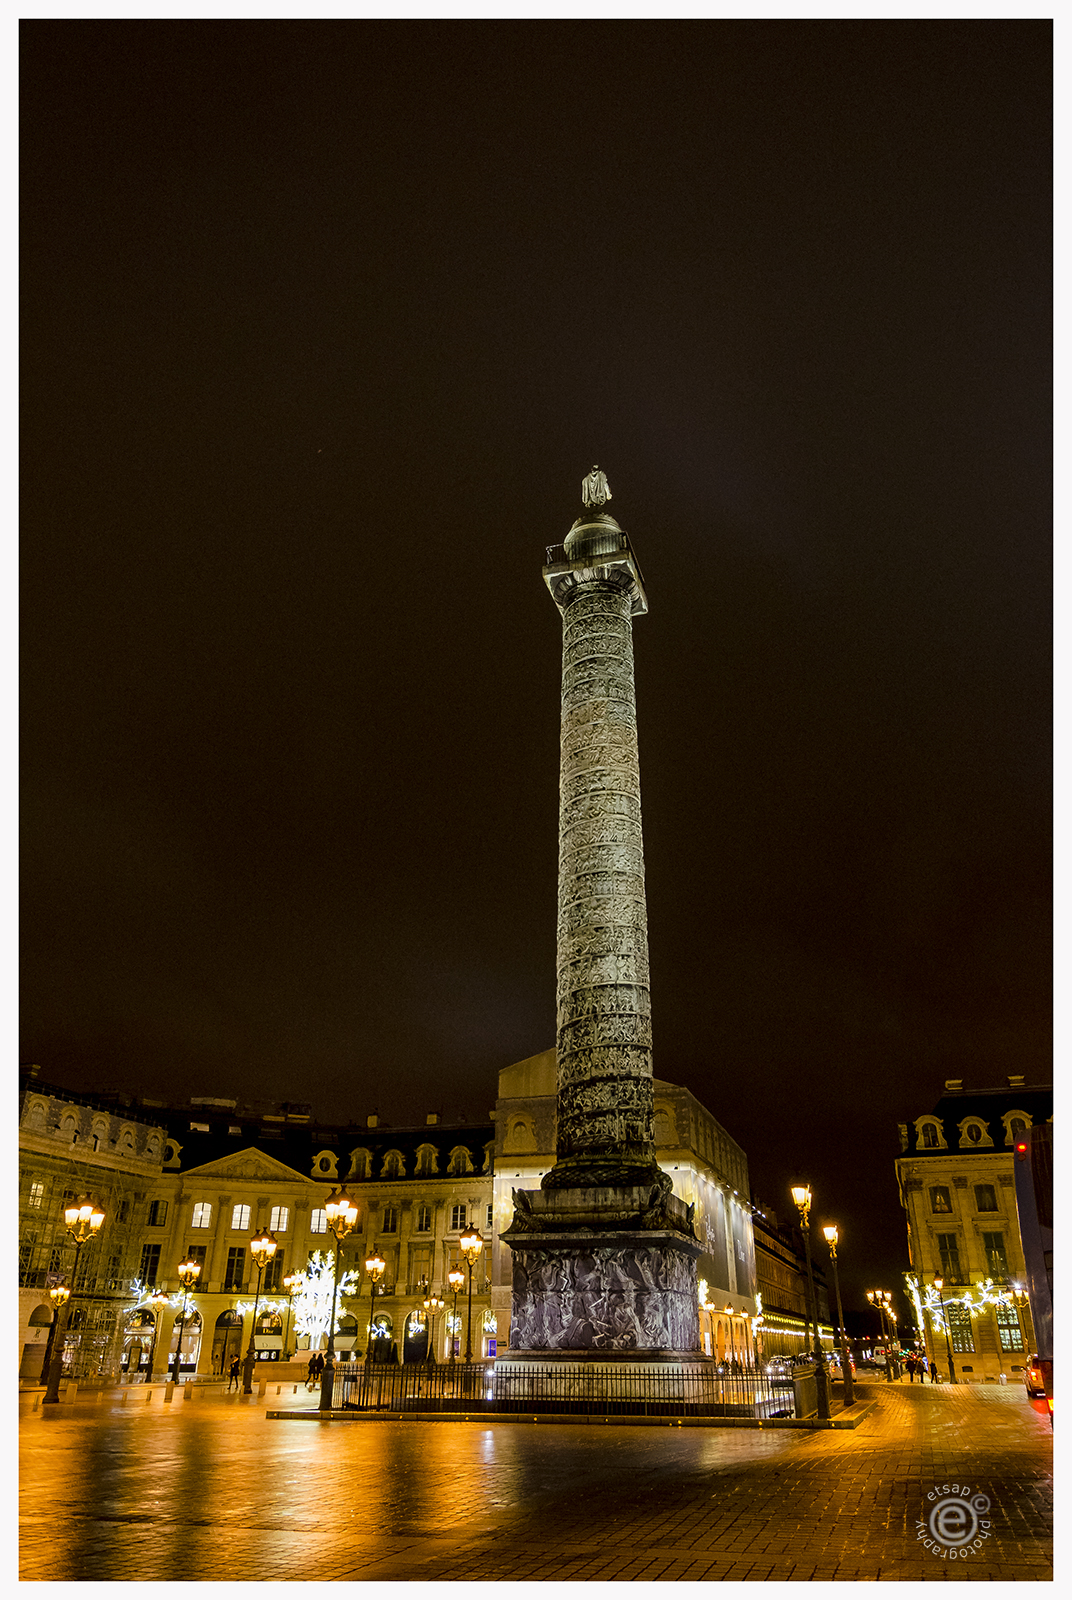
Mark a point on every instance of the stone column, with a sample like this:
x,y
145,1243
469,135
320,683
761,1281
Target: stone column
x,y
604,1254
605,1128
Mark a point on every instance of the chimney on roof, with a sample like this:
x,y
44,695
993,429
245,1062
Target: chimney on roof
x,y
1016,1080
373,1122
431,1119
954,1085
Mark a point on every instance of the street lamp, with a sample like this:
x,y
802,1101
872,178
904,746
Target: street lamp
x,y
802,1201
830,1234
292,1284
375,1267
1021,1302
59,1295
189,1272
875,1298
262,1249
456,1280
433,1305
341,1218
158,1300
84,1220
938,1282
470,1244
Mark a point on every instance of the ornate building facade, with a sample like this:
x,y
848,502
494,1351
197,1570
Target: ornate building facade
x,y
955,1178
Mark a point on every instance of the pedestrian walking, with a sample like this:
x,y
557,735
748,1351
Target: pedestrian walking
x,y
910,1363
934,1372
234,1369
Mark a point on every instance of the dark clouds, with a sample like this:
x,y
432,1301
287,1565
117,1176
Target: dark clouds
x,y
323,325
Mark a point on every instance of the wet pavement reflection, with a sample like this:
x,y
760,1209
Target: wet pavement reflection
x,y
210,1489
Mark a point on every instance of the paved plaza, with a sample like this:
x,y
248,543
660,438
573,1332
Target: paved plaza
x,y
211,1489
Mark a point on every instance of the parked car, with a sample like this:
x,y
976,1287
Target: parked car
x,y
1034,1382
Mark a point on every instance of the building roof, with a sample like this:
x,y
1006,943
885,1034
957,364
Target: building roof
x,y
987,1105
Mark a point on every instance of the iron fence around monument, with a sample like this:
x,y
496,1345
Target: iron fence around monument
x,y
539,1389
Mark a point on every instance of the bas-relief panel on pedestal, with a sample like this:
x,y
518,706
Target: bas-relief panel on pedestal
x,y
604,1298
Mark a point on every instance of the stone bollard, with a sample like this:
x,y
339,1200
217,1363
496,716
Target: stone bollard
x,y
37,1402
148,1396
169,1393
261,1388
72,1392
188,1393
126,1393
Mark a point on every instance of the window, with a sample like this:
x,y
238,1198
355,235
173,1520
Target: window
x,y
150,1265
460,1160
280,1219
490,1218
940,1200
424,1219
390,1220
240,1219
198,1252
930,1136
202,1217
1009,1333
950,1257
273,1275
392,1165
985,1198
960,1329
427,1163
123,1214
318,1221
996,1262
457,1216
1017,1128
236,1266
37,1195
157,1213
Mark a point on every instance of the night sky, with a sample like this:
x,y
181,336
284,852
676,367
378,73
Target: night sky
x,y
323,324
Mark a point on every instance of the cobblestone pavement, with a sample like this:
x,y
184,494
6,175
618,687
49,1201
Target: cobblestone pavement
x,y
209,1489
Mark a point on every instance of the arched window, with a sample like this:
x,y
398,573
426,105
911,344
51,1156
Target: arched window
x,y
930,1136
427,1161
361,1163
460,1161
393,1165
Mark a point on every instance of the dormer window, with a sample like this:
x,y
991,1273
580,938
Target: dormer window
x,y
929,1135
974,1134
393,1166
1017,1124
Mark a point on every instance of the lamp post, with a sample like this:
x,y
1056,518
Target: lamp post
x,y
470,1244
802,1201
874,1298
895,1338
1021,1302
158,1300
84,1220
375,1267
456,1280
189,1272
292,1284
262,1249
341,1217
59,1296
938,1282
830,1234
433,1305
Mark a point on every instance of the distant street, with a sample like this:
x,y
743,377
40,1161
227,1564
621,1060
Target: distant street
x,y
209,1489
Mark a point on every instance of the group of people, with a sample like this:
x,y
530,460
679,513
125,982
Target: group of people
x,y
315,1370
918,1363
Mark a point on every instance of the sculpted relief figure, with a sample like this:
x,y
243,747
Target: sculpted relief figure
x,y
595,490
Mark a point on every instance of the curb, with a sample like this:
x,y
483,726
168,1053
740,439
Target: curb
x,y
564,1419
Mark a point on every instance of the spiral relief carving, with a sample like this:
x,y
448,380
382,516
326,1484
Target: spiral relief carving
x,y
604,1029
